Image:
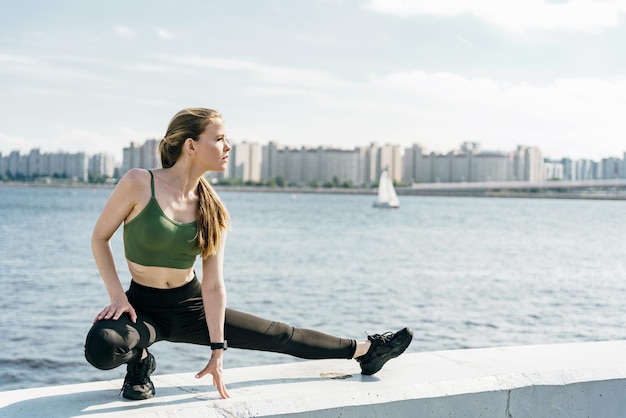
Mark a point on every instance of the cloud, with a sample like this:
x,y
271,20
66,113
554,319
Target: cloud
x,y
465,41
46,69
12,143
279,91
16,59
124,31
565,114
449,108
112,142
163,33
567,117
264,73
29,90
59,68
517,15
454,91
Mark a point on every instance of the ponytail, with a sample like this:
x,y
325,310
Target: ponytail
x,y
213,219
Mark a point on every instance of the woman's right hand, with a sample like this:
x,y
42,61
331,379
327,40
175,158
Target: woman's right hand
x,y
116,309
215,368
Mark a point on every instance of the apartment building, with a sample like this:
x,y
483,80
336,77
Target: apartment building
x,y
244,162
36,164
304,166
471,164
142,156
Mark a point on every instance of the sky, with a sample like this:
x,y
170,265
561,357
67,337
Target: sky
x,y
94,76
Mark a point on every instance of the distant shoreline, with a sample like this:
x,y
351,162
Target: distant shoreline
x,y
407,191
60,185
444,191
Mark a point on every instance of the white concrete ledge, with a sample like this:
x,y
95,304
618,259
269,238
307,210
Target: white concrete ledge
x,y
563,380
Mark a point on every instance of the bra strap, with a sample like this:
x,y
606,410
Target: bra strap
x,y
151,182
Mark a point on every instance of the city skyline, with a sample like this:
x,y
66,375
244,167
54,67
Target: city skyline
x,y
253,162
458,148
545,73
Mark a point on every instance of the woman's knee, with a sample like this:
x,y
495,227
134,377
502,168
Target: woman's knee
x,y
105,347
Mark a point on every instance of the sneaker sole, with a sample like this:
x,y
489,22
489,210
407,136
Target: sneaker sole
x,y
378,364
140,397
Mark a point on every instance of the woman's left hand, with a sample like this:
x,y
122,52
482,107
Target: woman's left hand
x,y
214,367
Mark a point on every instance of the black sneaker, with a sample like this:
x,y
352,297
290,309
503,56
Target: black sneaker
x,y
384,348
137,383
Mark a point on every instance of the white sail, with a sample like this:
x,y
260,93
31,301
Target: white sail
x,y
387,197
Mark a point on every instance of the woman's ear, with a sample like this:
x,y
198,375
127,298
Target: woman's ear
x,y
189,145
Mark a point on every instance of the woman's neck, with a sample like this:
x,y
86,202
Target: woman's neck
x,y
182,179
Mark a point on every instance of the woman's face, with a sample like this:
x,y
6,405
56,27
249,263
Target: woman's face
x,y
212,147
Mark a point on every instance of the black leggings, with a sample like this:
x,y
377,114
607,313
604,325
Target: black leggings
x,y
177,315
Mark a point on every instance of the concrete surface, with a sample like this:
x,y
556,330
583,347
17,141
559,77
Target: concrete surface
x,y
561,380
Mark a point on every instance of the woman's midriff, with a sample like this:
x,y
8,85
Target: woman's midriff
x,y
160,277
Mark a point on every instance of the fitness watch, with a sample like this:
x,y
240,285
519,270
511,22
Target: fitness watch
x,y
219,346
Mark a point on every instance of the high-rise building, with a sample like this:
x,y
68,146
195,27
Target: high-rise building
x,y
102,165
339,164
471,164
568,169
76,166
303,166
527,164
442,167
150,154
143,156
36,164
611,168
584,170
269,160
491,166
244,162
553,170
377,158
417,165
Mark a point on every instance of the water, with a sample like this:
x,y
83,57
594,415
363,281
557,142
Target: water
x,y
463,272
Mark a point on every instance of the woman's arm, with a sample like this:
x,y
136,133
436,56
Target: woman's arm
x,y
214,300
120,204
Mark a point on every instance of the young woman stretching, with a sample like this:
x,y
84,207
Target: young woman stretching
x,y
170,216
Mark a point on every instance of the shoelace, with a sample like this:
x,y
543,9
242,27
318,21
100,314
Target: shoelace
x,y
138,373
381,338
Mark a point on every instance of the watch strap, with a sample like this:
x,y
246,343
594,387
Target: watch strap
x,y
219,346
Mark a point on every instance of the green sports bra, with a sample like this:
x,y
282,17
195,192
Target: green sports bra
x,y
153,239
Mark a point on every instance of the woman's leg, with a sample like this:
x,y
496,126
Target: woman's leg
x,y
111,343
241,330
246,331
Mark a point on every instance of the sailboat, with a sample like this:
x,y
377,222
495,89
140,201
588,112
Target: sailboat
x,y
387,197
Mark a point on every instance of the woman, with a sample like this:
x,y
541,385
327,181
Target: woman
x,y
170,216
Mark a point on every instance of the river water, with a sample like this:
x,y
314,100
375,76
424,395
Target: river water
x,y
462,272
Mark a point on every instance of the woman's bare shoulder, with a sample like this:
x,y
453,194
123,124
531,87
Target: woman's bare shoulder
x,y
136,181
135,177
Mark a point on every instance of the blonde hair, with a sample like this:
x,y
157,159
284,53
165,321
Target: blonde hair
x,y
213,217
